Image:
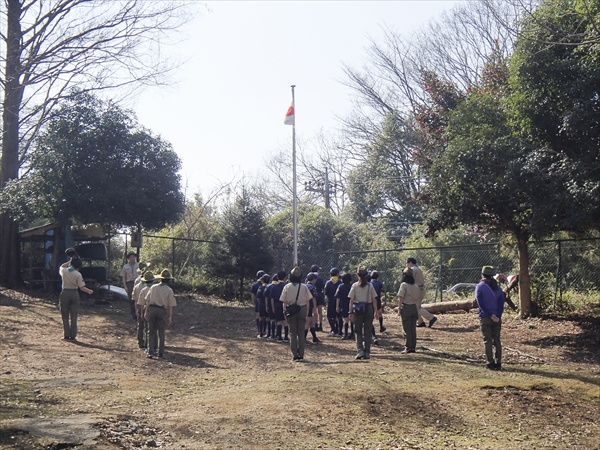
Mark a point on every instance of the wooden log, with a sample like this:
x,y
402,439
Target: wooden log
x,y
464,305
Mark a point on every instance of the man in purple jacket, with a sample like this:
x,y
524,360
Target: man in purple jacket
x,y
490,299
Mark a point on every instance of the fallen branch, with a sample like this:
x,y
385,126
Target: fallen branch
x,y
451,355
520,353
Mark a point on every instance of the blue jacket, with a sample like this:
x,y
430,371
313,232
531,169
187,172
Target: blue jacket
x,y
331,288
490,302
378,288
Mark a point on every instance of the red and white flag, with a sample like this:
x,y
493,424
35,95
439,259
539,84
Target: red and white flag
x,y
290,115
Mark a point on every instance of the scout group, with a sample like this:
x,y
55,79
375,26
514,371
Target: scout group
x,y
152,301
288,311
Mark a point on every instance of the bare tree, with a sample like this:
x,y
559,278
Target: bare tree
x,y
456,46
54,45
322,167
325,168
391,85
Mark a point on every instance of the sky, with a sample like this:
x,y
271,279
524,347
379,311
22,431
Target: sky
x,y
224,113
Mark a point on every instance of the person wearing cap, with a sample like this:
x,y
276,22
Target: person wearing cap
x,y
139,297
129,273
71,253
262,306
142,267
311,318
158,311
378,285
331,287
490,299
297,293
343,307
272,335
411,263
277,306
363,295
319,296
253,290
409,296
72,282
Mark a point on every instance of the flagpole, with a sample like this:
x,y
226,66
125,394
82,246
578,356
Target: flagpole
x,y
294,183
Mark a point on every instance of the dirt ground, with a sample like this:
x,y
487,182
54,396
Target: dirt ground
x,y
219,387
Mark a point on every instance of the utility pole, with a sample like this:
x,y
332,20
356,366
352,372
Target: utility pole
x,y
324,188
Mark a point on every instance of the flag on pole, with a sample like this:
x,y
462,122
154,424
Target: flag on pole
x,y
290,115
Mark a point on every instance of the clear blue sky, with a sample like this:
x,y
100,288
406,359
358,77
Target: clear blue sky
x,y
226,111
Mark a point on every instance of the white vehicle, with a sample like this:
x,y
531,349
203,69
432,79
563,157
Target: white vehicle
x,y
461,290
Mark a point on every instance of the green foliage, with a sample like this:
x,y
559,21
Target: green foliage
x,y
189,258
318,231
94,163
556,102
481,177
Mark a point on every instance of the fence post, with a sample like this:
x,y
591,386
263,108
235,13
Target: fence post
x,y
558,273
173,258
439,283
385,276
109,262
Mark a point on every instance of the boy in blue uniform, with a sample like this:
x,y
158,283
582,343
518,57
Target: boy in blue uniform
x,y
311,318
380,291
330,289
271,307
343,305
253,291
262,305
277,306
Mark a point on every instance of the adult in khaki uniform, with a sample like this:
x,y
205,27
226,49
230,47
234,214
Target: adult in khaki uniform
x,y
129,273
296,293
362,293
411,263
408,300
139,297
158,311
72,281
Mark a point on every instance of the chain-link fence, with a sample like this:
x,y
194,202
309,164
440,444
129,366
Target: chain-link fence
x,y
555,267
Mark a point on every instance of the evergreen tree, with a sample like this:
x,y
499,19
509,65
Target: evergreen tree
x,y
94,163
244,244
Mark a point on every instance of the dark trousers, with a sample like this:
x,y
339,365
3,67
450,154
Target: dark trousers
x,y
363,325
69,309
157,322
491,338
142,328
132,305
410,315
297,340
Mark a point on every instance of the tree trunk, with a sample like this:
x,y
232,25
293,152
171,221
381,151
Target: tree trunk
x,y
241,295
443,307
524,280
54,264
10,262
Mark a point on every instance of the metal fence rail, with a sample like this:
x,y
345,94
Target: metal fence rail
x,y
555,266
